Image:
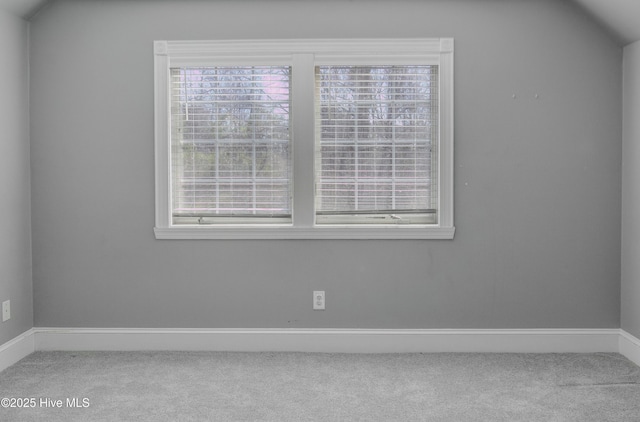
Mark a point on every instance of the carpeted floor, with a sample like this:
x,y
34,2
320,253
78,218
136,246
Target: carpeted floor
x,y
203,386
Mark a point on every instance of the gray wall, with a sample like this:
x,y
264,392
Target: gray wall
x,y
15,217
631,192
537,181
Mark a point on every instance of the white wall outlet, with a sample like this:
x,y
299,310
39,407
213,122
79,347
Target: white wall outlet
x,y
318,300
6,310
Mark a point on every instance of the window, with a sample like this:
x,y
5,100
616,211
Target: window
x,y
230,145
294,139
375,162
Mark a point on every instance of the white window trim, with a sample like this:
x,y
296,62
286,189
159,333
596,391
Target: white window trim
x,y
303,54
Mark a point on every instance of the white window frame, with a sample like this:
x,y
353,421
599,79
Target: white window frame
x,y
303,56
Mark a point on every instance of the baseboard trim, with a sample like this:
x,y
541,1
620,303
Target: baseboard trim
x,y
322,340
331,340
17,349
629,347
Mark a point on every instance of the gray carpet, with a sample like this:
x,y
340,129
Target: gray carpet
x,y
203,386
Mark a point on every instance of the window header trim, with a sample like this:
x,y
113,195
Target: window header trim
x,y
319,47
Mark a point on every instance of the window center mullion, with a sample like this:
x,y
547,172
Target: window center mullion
x,y
303,134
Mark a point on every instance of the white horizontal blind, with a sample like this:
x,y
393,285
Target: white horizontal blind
x,y
376,147
230,144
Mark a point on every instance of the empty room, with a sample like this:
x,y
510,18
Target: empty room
x,y
320,210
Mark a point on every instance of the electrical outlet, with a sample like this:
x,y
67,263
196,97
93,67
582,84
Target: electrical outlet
x,y
6,310
318,300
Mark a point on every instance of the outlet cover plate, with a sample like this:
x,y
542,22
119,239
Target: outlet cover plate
x,y
318,300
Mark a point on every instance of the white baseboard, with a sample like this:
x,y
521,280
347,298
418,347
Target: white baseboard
x,y
629,347
16,349
331,340
323,340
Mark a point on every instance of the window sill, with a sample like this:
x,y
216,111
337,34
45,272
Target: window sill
x,y
288,232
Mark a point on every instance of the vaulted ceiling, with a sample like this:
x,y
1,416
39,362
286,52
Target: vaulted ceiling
x,y
23,8
621,17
